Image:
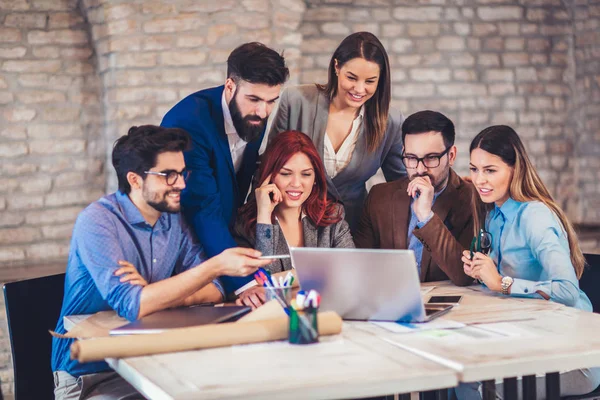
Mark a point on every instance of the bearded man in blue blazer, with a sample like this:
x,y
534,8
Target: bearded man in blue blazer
x,y
227,125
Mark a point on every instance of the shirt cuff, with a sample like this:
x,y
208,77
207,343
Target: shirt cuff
x,y
129,306
523,287
265,239
265,230
219,285
421,224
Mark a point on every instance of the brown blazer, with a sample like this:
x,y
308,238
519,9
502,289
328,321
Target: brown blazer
x,y
385,219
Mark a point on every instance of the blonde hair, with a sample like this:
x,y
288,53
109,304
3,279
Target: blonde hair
x,y
525,185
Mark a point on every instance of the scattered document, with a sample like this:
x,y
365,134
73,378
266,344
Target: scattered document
x,y
465,334
493,331
507,329
402,327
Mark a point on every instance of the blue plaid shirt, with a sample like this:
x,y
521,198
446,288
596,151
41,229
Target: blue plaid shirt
x,y
109,230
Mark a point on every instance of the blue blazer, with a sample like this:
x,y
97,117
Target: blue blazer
x,y
213,191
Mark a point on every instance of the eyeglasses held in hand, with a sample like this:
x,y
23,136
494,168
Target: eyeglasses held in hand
x,y
171,176
481,243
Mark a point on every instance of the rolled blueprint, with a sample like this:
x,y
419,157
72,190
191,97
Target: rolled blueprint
x,y
200,337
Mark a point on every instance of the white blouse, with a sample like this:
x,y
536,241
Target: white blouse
x,y
336,162
237,145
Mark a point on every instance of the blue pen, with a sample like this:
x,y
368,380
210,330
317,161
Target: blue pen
x,y
288,279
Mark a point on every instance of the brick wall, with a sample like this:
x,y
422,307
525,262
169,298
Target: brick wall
x,y
480,62
585,113
76,74
151,54
51,147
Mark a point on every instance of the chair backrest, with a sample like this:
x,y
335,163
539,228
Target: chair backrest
x,y
32,308
590,280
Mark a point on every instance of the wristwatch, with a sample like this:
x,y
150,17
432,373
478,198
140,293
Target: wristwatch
x,y
507,282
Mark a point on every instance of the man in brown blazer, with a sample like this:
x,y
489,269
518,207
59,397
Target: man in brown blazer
x,y
429,211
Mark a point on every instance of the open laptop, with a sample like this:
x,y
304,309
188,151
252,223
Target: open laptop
x,y
183,317
365,284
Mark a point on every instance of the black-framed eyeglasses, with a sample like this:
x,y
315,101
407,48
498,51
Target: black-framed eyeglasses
x,y
171,176
429,161
482,243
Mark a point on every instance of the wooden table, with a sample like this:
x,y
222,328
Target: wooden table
x,y
505,337
539,337
350,365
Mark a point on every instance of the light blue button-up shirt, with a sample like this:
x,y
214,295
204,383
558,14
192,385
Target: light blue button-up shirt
x,y
530,245
109,230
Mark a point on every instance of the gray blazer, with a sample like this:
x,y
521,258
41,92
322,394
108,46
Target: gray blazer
x,y
269,239
306,109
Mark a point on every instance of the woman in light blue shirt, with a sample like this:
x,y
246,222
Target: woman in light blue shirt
x,y
534,250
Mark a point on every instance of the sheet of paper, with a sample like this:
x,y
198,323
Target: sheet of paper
x,y
466,334
401,327
426,289
507,329
492,332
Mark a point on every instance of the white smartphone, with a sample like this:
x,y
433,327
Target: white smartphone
x,y
274,257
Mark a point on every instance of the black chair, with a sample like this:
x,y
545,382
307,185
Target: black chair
x,y
32,308
589,283
590,280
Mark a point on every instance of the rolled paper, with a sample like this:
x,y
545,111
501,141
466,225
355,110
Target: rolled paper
x,y
200,337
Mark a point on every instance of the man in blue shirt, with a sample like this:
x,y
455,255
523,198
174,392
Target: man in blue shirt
x,y
227,125
131,252
429,211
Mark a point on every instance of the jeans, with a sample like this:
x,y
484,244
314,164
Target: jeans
x,y
100,386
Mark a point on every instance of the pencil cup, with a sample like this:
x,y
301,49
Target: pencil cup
x,y
303,326
280,294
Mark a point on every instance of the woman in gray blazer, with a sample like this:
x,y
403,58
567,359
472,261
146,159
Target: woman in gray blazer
x,y
349,120
291,206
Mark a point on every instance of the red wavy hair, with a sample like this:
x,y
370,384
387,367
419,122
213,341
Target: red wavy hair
x,y
321,210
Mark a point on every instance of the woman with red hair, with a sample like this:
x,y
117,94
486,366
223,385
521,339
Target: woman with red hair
x,y
291,207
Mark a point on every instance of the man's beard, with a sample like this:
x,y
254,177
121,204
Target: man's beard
x,y
245,129
163,204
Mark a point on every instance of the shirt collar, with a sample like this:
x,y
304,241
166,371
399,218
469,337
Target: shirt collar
x,y
361,113
302,216
508,210
229,128
437,194
134,216
130,211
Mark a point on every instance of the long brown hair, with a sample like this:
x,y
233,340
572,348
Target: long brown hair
x,y
321,210
365,45
526,184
